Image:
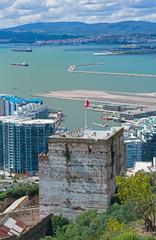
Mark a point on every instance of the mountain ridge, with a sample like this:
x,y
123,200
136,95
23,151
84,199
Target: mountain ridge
x,y
62,30
78,27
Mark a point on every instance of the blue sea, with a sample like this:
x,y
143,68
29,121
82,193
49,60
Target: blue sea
x,y
47,71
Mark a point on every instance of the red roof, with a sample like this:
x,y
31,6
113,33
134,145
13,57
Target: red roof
x,y
4,231
3,234
20,224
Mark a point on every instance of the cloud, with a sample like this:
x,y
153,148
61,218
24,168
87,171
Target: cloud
x,y
143,4
17,12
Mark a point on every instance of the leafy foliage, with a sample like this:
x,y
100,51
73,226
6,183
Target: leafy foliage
x,y
67,154
124,213
138,191
113,225
48,238
85,227
3,195
57,222
93,226
30,189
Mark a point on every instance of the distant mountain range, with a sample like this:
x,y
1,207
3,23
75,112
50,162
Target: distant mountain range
x,y
53,30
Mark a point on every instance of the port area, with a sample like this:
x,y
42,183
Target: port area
x,y
75,69
127,105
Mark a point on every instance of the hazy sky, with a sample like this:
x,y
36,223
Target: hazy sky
x,y
16,12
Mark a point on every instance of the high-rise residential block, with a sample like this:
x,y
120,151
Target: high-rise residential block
x,y
22,140
133,151
10,104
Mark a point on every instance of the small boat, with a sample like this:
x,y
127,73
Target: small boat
x,y
123,120
120,120
100,125
104,117
23,64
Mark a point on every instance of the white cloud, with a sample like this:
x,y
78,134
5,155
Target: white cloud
x,y
17,12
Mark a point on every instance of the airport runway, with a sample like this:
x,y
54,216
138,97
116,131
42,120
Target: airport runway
x,y
144,99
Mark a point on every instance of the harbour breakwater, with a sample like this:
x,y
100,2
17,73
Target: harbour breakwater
x,y
75,69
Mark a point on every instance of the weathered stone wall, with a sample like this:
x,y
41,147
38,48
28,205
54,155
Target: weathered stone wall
x,y
78,174
115,160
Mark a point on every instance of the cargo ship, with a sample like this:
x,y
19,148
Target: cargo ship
x,y
22,49
23,64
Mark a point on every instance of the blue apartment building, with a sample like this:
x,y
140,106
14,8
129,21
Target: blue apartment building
x,y
141,144
133,151
24,129
9,103
22,141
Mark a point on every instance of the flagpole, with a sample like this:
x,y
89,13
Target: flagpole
x,y
85,118
86,105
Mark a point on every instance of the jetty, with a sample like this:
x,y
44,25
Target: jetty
x,y
74,69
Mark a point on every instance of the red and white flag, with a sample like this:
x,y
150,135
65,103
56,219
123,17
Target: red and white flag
x,y
87,103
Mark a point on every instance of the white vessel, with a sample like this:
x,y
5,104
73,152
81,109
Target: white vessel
x,y
103,53
23,64
28,49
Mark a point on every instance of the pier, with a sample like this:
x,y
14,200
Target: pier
x,y
74,69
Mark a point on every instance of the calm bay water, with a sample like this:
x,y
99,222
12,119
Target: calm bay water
x,y
48,71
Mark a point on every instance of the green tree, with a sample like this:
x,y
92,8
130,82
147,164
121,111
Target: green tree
x,y
113,225
124,213
88,226
47,238
138,191
20,190
57,223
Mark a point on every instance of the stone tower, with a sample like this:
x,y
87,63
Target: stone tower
x,y
79,172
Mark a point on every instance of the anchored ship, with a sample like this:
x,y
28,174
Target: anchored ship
x,y
22,49
103,53
23,64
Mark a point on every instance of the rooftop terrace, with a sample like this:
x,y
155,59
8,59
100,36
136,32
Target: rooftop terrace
x,y
89,134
